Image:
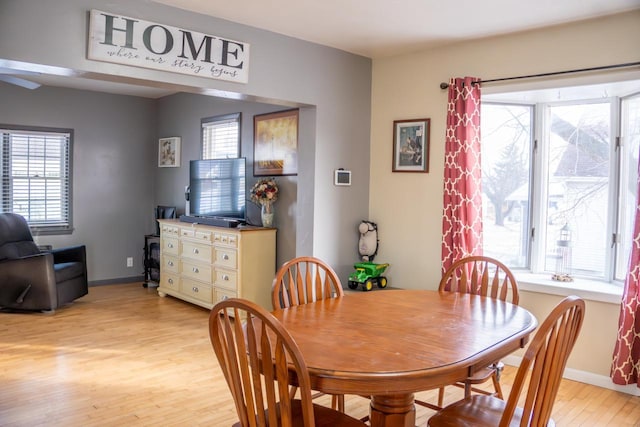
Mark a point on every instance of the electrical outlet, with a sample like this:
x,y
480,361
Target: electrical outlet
x,y
130,261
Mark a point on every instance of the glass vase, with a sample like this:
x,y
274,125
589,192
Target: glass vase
x,y
267,213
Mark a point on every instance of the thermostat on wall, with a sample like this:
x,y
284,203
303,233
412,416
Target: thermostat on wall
x,y
342,177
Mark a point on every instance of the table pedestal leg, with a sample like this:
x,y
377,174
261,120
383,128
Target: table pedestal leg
x,y
394,410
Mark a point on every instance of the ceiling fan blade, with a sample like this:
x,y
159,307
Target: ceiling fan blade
x,y
5,70
19,82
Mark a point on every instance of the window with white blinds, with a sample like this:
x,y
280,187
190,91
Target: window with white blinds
x,y
221,137
36,176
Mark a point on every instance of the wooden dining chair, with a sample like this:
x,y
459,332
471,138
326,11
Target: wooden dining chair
x,y
303,280
542,365
256,358
479,275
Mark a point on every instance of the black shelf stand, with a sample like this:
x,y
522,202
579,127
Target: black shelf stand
x,y
151,261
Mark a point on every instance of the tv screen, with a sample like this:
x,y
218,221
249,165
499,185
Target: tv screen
x,y
217,188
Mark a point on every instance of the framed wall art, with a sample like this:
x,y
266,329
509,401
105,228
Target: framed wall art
x,y
275,143
411,145
169,152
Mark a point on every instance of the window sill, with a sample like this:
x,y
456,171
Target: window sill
x,y
591,290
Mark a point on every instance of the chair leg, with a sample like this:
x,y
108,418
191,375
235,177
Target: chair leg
x,y
441,397
496,384
467,390
337,402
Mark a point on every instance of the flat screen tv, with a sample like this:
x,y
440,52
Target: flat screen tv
x,y
217,188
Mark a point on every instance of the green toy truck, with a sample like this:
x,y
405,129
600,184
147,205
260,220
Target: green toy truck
x,y
367,274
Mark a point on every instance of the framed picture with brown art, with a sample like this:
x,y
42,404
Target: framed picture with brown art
x,y
275,143
169,152
411,145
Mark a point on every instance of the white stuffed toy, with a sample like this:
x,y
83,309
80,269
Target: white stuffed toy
x,y
368,243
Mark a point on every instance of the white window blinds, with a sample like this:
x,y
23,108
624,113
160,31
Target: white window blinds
x,y
36,176
221,137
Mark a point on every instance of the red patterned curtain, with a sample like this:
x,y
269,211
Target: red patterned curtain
x,y
626,356
462,219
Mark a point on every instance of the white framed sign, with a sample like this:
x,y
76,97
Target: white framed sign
x,y
135,42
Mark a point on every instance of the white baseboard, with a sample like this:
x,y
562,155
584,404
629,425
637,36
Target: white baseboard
x,y
585,377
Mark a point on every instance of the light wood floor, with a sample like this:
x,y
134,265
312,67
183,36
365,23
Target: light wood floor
x,y
122,356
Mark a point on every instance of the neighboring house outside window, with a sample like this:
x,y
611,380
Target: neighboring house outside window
x,y
221,137
36,176
559,184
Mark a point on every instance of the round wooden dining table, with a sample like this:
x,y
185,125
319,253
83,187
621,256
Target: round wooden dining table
x,y
390,344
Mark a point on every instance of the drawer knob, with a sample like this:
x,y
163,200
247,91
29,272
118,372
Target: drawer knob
x,y
225,257
170,281
170,245
195,251
195,270
225,297
225,277
194,289
170,263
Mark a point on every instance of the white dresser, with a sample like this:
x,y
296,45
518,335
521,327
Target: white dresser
x,y
203,264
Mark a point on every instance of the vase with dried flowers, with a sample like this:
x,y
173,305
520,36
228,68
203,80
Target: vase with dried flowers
x,y
265,193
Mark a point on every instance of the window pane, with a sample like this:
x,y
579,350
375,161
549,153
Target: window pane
x,y
221,137
577,191
506,153
628,181
36,177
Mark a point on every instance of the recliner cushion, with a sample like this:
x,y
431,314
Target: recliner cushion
x,y
15,250
67,271
16,237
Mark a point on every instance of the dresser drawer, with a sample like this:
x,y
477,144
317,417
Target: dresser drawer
x,y
196,234
203,236
226,239
196,270
170,245
200,291
197,251
223,294
226,279
226,257
169,229
187,232
171,281
170,264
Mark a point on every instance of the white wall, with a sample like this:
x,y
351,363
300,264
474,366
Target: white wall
x,y
408,207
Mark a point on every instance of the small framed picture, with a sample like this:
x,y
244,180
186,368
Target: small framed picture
x,y
411,145
169,152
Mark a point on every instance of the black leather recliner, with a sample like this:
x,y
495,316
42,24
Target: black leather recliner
x,y
35,280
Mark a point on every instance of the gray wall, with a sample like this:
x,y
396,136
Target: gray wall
x,y
332,87
114,138
180,115
116,179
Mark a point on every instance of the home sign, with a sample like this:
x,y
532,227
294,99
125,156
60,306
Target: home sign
x,y
135,42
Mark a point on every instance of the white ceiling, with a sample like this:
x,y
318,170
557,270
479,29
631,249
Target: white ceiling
x,y
380,28
374,28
